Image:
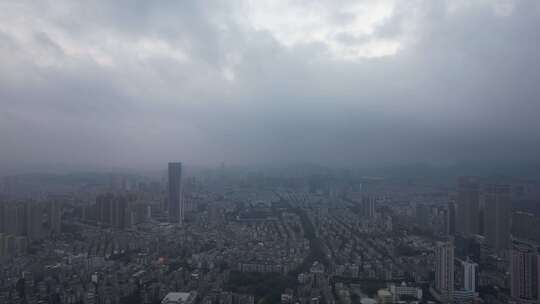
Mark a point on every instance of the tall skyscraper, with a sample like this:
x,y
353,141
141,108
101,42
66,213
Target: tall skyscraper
x,y
176,208
54,216
524,272
451,219
368,206
498,212
444,270
423,215
468,207
103,209
469,275
3,245
34,221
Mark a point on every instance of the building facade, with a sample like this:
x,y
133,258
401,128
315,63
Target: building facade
x,y
524,272
444,270
469,275
497,213
468,207
176,206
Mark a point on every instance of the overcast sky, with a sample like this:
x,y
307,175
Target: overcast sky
x,y
139,83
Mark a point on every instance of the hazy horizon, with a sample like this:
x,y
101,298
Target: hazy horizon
x,y
448,172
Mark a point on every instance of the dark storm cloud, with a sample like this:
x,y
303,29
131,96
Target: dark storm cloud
x,y
126,83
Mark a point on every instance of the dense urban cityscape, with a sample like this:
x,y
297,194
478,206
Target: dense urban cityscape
x,y
226,236
269,152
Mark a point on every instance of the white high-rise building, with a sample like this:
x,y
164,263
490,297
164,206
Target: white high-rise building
x,y
444,270
469,275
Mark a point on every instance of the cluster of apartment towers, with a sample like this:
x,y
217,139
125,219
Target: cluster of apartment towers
x,y
487,211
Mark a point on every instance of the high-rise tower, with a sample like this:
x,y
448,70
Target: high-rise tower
x,y
469,275
468,207
524,272
176,208
444,270
497,215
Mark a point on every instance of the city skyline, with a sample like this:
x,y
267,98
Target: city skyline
x,y
263,237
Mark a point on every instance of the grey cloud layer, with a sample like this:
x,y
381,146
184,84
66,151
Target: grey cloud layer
x,y
140,82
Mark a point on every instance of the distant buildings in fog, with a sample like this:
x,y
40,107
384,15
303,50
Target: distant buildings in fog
x,y
22,222
508,237
368,206
497,216
114,210
118,210
35,220
482,210
123,208
526,226
468,207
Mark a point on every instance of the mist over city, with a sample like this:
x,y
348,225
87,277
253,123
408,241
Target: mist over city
x,y
293,152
